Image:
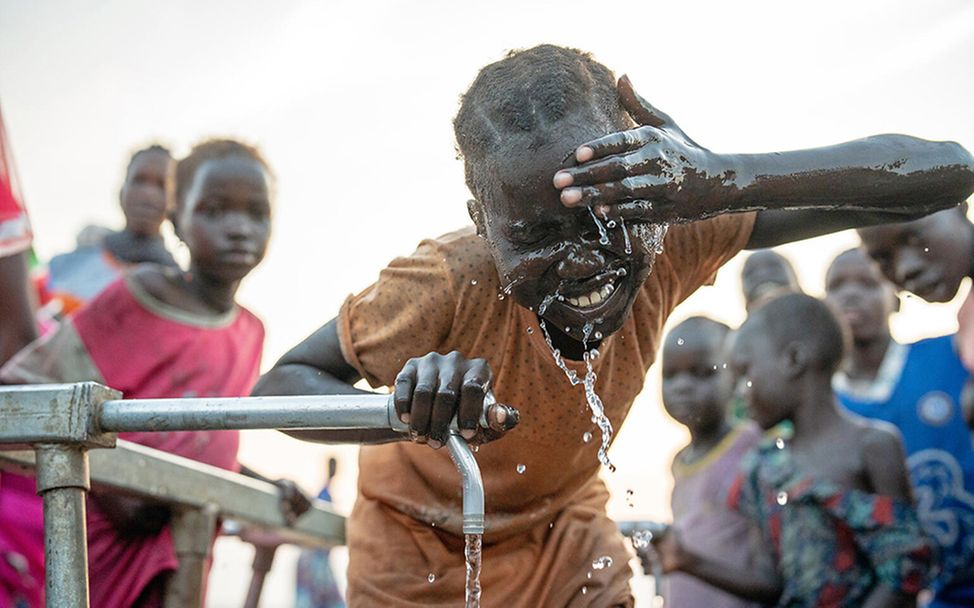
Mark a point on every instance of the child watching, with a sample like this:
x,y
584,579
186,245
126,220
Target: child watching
x,y
831,507
917,388
696,393
203,344
766,274
466,310
76,277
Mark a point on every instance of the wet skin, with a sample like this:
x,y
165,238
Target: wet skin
x,y
880,179
143,195
548,249
764,269
928,257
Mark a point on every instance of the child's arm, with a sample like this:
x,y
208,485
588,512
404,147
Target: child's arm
x,y
429,392
758,583
881,179
17,328
885,465
293,501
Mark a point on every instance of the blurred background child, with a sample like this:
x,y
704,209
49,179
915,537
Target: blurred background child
x,y
916,387
203,344
78,276
696,393
766,274
831,508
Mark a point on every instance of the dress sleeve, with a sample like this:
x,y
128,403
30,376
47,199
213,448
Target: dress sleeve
x,y
407,313
744,495
60,356
698,249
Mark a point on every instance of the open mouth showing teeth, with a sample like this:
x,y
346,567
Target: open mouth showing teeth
x,y
593,299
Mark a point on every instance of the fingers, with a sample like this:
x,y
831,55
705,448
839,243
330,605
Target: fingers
x,y
612,169
403,390
447,400
472,392
615,143
427,381
502,418
641,110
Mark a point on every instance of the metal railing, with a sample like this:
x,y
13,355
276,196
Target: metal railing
x,y
62,422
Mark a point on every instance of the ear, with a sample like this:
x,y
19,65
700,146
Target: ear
x,y
477,213
794,360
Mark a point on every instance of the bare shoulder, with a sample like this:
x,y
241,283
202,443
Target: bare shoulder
x,y
160,282
884,459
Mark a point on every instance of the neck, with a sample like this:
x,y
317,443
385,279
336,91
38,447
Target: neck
x,y
214,294
705,438
817,410
866,357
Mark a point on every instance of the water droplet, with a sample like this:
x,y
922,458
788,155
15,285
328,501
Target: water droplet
x,y
779,443
628,492
433,523
431,577
723,365
520,469
568,330
473,281
926,250
601,562
586,437
584,589
530,330
500,296
749,384
611,224
641,538
680,341
598,336
621,272
782,498
589,574
551,525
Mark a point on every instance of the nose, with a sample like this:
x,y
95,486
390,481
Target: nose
x,y
681,384
908,266
237,226
580,263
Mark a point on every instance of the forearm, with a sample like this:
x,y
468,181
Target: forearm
x,y
751,584
17,326
298,379
884,597
892,174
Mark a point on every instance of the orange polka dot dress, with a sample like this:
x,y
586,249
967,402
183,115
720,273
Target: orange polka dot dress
x,y
546,524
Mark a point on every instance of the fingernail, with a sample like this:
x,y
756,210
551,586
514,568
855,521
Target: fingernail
x,y
433,443
571,196
404,417
584,153
562,179
468,433
511,417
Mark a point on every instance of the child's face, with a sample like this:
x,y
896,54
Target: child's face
x,y
226,221
547,249
766,270
696,382
143,194
928,257
860,293
760,382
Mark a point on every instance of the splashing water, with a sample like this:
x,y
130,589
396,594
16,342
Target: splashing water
x,y
586,436
472,551
651,236
601,563
603,233
641,539
520,469
473,281
546,302
431,577
588,383
625,235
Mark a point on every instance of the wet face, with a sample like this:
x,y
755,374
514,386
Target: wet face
x,y
557,258
766,271
226,220
755,362
928,257
696,382
143,196
861,295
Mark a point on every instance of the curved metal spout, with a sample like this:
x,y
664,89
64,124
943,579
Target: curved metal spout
x,y
473,484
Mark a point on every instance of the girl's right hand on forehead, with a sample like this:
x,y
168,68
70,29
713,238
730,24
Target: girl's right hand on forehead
x,y
654,172
432,390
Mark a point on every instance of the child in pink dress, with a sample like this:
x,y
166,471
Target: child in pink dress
x,y
160,332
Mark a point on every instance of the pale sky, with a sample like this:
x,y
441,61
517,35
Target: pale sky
x,y
352,103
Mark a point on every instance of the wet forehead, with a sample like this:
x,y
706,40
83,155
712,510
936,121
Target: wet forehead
x,y
233,174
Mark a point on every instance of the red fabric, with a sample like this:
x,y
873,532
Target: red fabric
x,y
21,542
146,355
15,233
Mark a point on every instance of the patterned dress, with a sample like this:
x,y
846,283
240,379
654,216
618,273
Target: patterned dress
x,y
832,545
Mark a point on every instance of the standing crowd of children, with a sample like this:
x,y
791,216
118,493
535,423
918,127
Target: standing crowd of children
x,y
593,217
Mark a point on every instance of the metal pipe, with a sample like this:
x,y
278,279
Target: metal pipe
x,y
62,480
362,411
241,413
